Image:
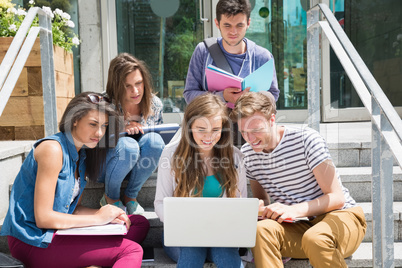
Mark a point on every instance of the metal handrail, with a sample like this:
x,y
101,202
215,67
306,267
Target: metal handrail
x,y
386,123
16,57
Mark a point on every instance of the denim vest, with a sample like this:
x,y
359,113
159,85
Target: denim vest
x,y
20,220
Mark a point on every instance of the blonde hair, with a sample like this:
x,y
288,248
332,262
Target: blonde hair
x,y
119,68
252,102
188,176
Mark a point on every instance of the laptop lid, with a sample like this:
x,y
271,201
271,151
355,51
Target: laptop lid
x,y
210,222
167,131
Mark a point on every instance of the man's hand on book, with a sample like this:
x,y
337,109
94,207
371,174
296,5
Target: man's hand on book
x,y
231,94
278,212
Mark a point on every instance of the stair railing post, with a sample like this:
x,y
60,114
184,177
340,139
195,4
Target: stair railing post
x,y
382,191
376,184
387,197
313,68
48,76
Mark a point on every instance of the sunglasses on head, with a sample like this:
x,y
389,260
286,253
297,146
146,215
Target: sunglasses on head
x,y
97,98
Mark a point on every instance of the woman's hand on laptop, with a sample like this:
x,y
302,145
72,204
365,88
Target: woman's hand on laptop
x,y
134,128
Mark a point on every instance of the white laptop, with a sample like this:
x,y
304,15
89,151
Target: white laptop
x,y
210,222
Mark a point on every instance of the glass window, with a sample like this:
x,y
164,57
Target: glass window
x,y
375,29
164,43
280,27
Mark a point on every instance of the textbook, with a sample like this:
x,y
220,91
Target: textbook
x,y
259,80
107,229
290,220
167,131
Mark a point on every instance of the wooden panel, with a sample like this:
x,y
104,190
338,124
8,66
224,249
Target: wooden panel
x,y
21,87
4,45
34,57
61,104
23,111
7,133
29,132
35,81
64,85
23,117
63,61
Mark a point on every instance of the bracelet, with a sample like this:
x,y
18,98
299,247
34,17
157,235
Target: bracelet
x,y
129,121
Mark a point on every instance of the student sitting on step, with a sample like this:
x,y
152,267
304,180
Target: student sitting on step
x,y
203,163
47,193
294,168
129,86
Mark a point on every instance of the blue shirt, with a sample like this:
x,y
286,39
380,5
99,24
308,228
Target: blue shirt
x,y
20,220
255,57
212,187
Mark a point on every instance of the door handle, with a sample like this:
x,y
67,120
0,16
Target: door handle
x,y
202,11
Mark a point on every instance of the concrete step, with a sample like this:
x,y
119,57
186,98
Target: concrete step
x,y
361,258
356,179
155,233
154,236
12,154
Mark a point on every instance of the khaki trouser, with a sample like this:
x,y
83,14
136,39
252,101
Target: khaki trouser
x,y
325,241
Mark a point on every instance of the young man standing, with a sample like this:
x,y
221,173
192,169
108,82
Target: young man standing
x,y
242,54
292,166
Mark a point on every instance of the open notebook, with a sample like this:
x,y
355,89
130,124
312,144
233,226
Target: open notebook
x,y
107,229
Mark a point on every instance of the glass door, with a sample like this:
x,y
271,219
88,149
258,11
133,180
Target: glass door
x,y
375,29
280,27
164,34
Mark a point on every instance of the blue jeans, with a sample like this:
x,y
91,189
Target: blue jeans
x,y
196,256
131,160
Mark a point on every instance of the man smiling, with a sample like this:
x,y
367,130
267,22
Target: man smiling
x,y
242,54
293,167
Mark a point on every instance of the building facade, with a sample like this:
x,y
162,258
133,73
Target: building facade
x,y
164,33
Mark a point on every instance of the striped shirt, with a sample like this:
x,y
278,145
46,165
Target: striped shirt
x,y
286,173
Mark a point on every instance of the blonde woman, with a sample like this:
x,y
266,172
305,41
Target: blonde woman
x,y
203,163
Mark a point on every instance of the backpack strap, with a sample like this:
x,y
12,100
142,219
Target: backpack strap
x,y
217,54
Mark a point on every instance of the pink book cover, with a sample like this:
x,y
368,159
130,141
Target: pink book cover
x,y
218,81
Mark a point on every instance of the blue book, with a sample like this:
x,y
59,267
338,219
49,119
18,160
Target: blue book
x,y
167,131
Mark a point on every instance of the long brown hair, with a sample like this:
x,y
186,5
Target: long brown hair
x,y
78,108
119,68
189,175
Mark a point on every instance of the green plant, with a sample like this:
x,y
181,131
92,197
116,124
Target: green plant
x,y
11,19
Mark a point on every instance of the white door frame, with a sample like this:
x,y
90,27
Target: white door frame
x,y
108,35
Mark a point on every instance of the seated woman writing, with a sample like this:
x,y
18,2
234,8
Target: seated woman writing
x,y
203,163
47,193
